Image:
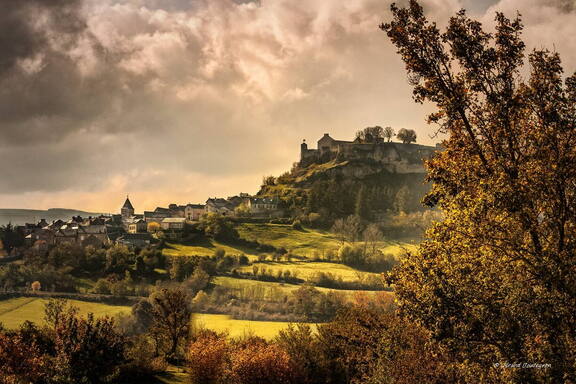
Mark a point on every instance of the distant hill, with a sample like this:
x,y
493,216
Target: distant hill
x,y
22,216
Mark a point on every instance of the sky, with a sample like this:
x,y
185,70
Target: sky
x,y
181,100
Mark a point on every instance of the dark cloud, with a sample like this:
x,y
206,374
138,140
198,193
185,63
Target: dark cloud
x,y
21,38
40,81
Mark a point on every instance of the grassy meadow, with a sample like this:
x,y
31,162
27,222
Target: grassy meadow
x,y
308,243
240,328
272,291
14,312
206,247
305,270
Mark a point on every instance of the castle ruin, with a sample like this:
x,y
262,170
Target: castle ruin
x,y
394,157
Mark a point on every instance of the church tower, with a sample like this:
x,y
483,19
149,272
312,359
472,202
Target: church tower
x,y
127,210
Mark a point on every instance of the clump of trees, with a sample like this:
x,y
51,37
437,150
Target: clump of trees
x,y
377,134
218,227
212,358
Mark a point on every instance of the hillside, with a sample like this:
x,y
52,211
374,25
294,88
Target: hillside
x,y
23,216
336,189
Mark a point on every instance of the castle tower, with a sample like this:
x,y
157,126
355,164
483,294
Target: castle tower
x,y
303,149
127,210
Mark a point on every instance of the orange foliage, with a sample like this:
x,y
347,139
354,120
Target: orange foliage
x,y
257,362
20,361
207,357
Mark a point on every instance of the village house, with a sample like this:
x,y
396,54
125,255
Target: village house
x,y
138,226
173,224
173,227
193,212
220,206
177,210
135,240
157,215
264,207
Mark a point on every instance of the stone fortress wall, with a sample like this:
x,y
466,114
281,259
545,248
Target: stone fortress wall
x,y
394,157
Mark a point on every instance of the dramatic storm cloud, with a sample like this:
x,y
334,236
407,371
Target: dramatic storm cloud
x,y
183,99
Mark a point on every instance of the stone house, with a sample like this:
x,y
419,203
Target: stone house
x,y
193,212
157,215
264,206
220,206
138,226
137,240
177,210
173,223
92,235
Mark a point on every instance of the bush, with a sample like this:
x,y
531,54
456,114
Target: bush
x,y
297,225
351,255
87,349
256,362
208,357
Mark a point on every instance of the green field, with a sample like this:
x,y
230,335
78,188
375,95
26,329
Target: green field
x,y
206,247
271,290
308,242
302,243
240,328
305,270
14,312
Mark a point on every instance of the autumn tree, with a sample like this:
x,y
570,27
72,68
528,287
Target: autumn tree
x,y
256,361
495,280
21,361
171,320
208,357
406,136
88,350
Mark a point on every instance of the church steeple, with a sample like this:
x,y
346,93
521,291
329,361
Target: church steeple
x,y
127,210
127,203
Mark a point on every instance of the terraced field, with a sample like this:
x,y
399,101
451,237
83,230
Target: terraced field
x,y
308,243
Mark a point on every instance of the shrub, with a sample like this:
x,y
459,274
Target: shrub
x,y
219,253
350,255
297,225
257,362
21,361
143,362
243,260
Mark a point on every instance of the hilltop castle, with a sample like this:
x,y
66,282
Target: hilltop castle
x,y
395,157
